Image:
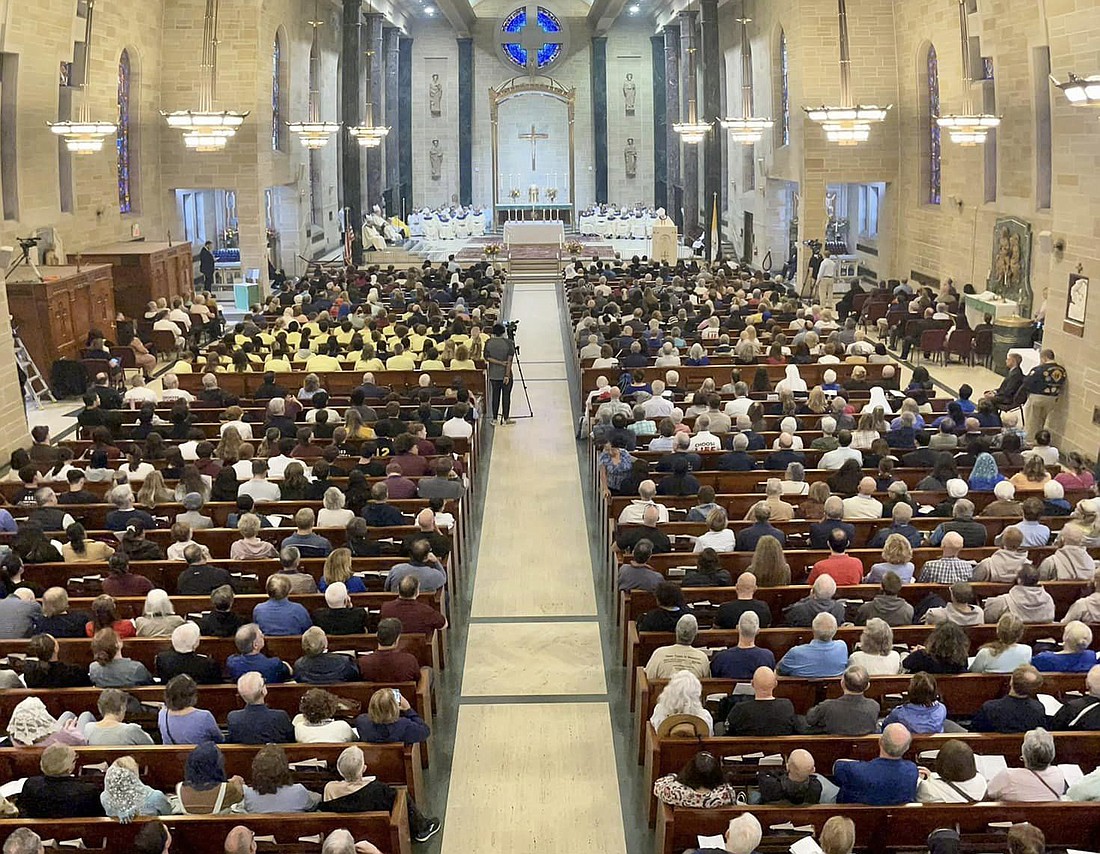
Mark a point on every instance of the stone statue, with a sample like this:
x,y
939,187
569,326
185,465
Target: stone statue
x,y
631,155
435,96
630,93
435,158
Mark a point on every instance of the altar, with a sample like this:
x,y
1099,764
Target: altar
x,y
528,211
987,302
548,232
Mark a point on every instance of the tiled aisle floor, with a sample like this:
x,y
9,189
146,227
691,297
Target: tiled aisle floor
x,y
534,764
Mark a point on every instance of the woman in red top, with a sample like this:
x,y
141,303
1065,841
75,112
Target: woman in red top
x,y
121,582
1076,474
104,616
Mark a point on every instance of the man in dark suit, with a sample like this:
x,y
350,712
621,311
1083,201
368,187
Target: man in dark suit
x,y
779,460
820,531
747,538
1004,396
206,264
182,658
1020,711
256,723
738,459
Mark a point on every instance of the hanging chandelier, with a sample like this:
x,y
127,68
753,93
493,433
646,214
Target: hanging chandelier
x,y
1080,91
84,136
207,129
746,129
969,128
849,123
693,131
314,133
368,134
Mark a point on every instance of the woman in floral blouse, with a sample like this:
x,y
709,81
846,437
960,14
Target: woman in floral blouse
x,y
700,784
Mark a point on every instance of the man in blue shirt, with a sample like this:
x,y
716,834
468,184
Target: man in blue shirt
x,y
819,658
430,574
884,781
256,723
741,661
901,516
278,615
249,641
747,538
307,542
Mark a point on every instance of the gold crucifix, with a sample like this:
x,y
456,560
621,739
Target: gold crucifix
x,y
534,137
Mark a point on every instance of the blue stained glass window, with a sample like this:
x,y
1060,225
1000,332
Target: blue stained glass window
x,y
547,23
276,96
933,128
122,137
784,91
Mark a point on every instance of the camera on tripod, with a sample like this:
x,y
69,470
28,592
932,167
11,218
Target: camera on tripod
x,y
510,328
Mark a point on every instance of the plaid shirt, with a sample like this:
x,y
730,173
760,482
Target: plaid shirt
x,y
946,570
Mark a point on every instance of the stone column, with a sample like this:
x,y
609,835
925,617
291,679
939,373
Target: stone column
x,y
372,37
599,115
710,65
689,157
660,124
672,115
391,48
351,108
404,125
466,121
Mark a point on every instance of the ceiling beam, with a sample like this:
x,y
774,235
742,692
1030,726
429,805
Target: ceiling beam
x,y
460,15
603,14
392,11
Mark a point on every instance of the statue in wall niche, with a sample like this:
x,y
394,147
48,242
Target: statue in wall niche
x,y
630,153
435,158
630,94
435,96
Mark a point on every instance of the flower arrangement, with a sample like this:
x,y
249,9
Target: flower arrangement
x,y
574,247
491,250
513,194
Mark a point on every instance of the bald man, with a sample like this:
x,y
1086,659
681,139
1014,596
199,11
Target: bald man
x,y
765,714
887,780
798,785
240,840
427,529
730,612
950,568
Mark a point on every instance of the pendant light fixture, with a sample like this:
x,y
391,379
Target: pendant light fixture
x,y
746,129
1080,91
207,129
314,133
849,123
693,131
968,128
84,136
369,134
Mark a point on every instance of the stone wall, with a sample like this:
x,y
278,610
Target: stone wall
x,y
629,51
435,51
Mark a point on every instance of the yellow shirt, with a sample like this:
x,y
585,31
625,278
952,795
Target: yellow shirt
x,y
182,367
404,362
279,366
293,339
416,342
321,362
313,327
369,365
344,337
432,365
458,365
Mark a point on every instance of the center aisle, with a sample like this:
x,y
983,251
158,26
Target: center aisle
x,y
534,762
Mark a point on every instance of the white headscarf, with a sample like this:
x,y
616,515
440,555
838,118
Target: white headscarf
x,y
878,398
792,382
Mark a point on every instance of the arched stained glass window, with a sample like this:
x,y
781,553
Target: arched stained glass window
x,y
277,132
933,128
316,202
784,92
122,138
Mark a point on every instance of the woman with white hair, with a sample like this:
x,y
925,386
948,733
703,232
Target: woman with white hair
x,y
159,618
1039,780
683,695
876,653
333,514
697,356
1086,518
1071,561
1075,655
668,357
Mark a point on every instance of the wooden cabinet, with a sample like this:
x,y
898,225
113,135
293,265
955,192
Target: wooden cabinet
x,y
146,271
55,316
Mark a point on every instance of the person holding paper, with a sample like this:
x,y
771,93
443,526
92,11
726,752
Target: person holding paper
x,y
1020,711
1082,713
1039,780
742,836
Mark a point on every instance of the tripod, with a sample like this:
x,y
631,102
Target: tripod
x,y
522,382
25,244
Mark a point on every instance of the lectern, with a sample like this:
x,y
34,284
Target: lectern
x,y
666,241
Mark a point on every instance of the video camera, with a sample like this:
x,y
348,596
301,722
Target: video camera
x,y
510,328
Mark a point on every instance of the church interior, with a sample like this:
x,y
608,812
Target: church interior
x,y
217,182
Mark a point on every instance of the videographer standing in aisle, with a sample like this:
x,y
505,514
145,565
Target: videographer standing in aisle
x,y
499,353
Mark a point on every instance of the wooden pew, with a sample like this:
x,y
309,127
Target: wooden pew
x,y
288,648
205,834
162,766
888,828
665,756
339,382
692,377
